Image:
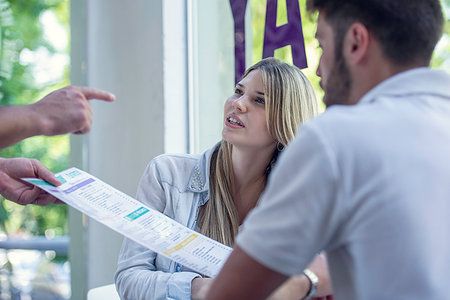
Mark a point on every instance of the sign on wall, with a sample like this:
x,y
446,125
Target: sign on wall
x,y
275,37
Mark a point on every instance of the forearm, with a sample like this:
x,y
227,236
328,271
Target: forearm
x,y
66,110
18,123
142,274
242,277
137,283
294,288
200,287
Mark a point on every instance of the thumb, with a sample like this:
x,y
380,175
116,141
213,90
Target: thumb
x,y
43,173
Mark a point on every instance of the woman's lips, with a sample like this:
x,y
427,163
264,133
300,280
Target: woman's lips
x,y
234,122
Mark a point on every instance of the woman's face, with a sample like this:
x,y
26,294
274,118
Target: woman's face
x,y
245,116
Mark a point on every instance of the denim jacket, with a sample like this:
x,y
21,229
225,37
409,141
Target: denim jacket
x,y
176,185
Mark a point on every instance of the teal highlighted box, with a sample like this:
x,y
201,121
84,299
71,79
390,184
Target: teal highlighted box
x,y
73,173
60,178
136,214
40,182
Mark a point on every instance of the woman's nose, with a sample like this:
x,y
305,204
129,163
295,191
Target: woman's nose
x,y
239,104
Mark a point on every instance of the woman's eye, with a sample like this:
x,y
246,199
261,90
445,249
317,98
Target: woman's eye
x,y
238,91
260,100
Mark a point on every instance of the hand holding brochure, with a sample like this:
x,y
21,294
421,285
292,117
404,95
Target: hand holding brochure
x,y
136,221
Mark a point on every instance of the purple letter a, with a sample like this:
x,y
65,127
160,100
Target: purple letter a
x,y
288,34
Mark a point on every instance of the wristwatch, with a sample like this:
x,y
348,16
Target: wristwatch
x,y
314,280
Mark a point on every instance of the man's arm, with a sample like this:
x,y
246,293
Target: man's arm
x,y
242,277
14,189
66,110
295,288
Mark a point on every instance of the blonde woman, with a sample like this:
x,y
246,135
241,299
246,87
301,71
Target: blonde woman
x,y
213,192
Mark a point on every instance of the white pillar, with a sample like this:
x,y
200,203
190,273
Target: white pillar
x,y
211,72
120,46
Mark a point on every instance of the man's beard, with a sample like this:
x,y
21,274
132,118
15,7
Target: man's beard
x,y
338,85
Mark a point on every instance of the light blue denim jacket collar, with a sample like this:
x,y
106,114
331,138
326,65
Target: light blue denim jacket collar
x,y
199,179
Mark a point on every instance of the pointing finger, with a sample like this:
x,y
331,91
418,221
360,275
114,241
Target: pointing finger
x,y
93,93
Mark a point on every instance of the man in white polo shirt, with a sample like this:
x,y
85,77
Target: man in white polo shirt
x,y
369,180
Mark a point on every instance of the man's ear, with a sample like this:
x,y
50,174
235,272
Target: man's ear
x,y
356,43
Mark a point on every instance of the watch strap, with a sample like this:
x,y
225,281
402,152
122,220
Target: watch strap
x,y
314,282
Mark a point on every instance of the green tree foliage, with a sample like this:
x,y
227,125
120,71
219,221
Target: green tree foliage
x,y
23,34
441,57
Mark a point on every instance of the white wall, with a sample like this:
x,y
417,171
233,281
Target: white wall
x,y
120,46
212,59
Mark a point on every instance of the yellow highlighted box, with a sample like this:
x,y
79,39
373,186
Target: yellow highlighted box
x,y
181,245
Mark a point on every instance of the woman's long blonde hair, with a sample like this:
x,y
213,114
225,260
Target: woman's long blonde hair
x,y
290,100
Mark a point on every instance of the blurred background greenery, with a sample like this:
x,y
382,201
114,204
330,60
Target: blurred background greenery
x,y
34,61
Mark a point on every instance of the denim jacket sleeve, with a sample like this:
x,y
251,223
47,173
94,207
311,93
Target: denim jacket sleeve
x,y
137,275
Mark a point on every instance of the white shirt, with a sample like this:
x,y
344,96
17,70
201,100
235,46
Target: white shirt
x,y
370,184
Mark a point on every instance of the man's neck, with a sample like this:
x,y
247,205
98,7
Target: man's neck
x,y
367,77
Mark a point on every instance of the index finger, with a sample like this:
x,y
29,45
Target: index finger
x,y
93,93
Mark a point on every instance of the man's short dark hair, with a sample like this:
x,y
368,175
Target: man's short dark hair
x,y
408,30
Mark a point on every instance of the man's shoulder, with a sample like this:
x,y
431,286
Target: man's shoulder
x,y
340,117
342,128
